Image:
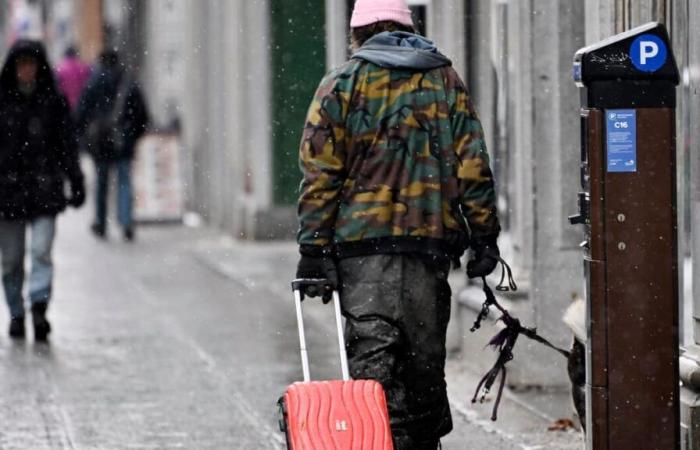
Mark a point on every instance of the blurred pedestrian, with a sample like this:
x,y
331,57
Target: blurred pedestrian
x,y
112,116
37,156
72,74
396,182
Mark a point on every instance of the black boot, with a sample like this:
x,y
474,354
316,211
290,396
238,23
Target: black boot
x,y
98,230
406,442
17,328
429,445
129,234
42,327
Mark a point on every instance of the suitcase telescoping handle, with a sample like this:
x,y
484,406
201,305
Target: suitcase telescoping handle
x,y
297,287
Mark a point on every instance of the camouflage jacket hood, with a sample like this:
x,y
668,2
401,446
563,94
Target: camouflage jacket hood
x,y
401,50
393,161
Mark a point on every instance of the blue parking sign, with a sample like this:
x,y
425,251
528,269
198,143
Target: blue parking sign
x,y
648,53
621,139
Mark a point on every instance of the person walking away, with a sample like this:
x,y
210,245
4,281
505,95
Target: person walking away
x,y
72,74
396,181
112,116
37,157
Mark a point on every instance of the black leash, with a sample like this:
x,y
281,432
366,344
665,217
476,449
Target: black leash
x,y
505,340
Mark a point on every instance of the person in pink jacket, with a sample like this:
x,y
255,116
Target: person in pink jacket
x,y
72,74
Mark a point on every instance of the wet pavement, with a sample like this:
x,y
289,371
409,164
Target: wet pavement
x,y
185,339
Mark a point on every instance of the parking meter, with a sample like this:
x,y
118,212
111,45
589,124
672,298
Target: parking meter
x,y
628,208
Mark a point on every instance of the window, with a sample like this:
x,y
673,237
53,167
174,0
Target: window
x,y
419,18
419,8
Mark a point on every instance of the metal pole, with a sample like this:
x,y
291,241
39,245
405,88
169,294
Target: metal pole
x,y
341,338
302,336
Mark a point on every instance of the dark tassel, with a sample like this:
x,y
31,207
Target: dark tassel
x,y
504,341
494,413
499,339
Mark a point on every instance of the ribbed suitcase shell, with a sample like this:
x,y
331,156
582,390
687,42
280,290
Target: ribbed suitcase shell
x,y
337,415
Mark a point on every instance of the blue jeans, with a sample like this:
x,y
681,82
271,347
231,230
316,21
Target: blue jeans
x,y
12,251
124,194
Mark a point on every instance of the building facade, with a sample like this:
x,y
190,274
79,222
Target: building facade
x,y
236,78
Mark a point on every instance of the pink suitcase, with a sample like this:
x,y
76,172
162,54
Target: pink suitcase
x,y
333,415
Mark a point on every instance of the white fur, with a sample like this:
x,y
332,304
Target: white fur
x,y
575,318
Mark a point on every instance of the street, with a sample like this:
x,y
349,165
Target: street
x,y
185,339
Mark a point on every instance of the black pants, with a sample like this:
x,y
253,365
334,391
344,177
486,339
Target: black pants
x,y
397,308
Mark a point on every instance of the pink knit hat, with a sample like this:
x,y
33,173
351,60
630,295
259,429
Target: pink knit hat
x,y
367,12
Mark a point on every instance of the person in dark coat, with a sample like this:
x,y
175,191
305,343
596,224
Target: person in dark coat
x,y
37,157
112,116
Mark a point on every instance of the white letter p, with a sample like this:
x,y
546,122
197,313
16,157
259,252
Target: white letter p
x,y
647,49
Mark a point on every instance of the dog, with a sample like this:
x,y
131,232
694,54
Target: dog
x,y
575,319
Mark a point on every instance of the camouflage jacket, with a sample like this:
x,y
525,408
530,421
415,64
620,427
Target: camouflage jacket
x,y
393,161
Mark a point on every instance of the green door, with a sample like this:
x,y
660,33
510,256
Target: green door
x,y
298,63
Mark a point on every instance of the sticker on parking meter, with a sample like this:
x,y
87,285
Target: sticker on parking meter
x,y
621,138
577,72
648,53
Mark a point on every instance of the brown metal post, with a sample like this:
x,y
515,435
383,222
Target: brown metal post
x,y
597,349
633,290
628,207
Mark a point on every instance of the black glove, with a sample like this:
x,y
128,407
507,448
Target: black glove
x,y
322,268
486,256
77,193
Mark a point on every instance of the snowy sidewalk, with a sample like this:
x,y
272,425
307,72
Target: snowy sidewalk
x,y
523,417
185,339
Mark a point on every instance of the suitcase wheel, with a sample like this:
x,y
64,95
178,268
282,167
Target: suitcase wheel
x,y
283,415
